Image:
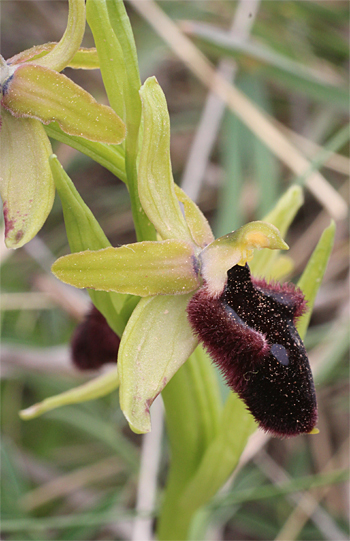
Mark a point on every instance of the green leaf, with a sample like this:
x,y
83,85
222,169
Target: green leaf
x,y
48,96
236,248
27,188
144,268
109,156
110,54
156,342
155,179
281,217
312,276
83,233
100,386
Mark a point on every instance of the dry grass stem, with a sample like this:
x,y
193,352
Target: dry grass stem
x,y
258,122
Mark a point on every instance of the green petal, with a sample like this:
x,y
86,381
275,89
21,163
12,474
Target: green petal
x,y
156,342
312,276
236,248
32,54
281,217
155,179
46,95
64,51
84,58
100,386
27,188
144,268
197,223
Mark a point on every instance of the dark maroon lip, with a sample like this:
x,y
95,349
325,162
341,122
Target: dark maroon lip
x,y
93,342
250,333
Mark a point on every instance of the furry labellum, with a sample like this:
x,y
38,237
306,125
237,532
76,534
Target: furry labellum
x,y
93,342
249,331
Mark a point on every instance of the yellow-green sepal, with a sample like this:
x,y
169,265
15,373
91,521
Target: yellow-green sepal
x,y
236,248
27,188
144,268
155,179
38,92
156,342
197,223
96,388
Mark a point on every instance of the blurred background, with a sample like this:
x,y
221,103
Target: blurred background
x,y
73,473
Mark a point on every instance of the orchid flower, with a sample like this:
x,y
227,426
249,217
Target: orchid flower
x,y
33,93
196,288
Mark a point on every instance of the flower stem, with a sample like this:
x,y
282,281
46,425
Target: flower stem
x,y
192,425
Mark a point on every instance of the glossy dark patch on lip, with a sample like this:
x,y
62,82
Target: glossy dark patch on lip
x,y
250,328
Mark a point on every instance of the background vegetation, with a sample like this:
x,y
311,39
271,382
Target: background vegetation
x,y
73,474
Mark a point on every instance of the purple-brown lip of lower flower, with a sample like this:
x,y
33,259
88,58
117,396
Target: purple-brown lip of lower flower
x,y
250,333
93,342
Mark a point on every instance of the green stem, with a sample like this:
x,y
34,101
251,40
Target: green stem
x,y
193,406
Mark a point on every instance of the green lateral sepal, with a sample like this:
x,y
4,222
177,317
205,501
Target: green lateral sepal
x,y
27,187
96,388
144,268
156,342
41,93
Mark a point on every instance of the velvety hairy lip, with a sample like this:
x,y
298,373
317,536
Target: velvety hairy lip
x,y
250,333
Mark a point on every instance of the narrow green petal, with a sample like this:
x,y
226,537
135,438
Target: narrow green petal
x,y
32,54
26,188
144,268
100,386
197,223
312,276
156,342
281,217
85,58
85,233
48,96
236,248
64,51
155,179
